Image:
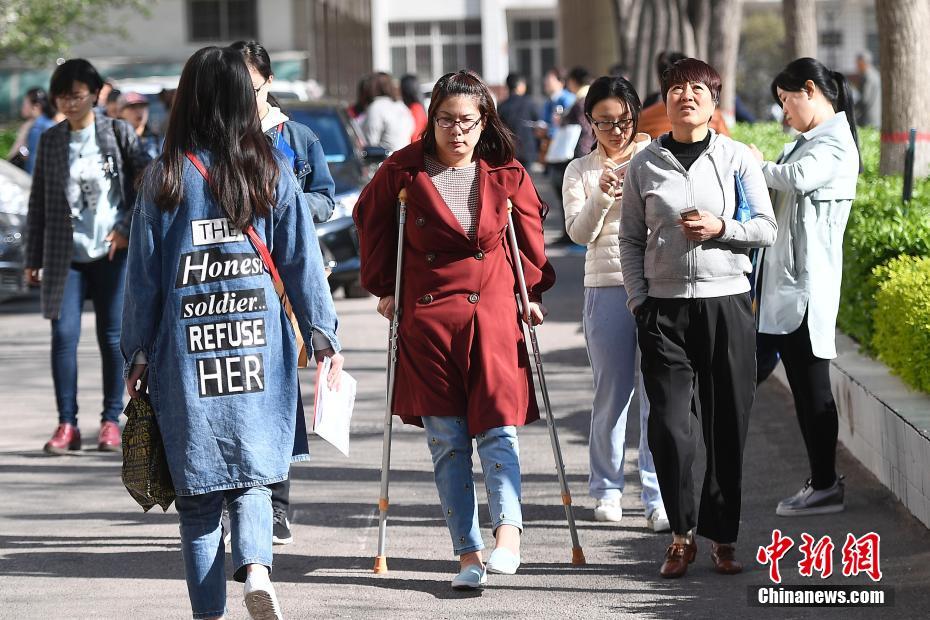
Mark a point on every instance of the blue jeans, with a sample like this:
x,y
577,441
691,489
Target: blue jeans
x,y
103,281
202,542
610,334
498,448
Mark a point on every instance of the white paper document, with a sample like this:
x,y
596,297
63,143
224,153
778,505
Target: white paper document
x,y
332,410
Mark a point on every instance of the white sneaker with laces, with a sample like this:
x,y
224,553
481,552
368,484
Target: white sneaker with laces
x,y
608,510
658,521
260,598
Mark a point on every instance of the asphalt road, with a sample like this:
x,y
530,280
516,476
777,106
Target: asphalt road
x,y
74,545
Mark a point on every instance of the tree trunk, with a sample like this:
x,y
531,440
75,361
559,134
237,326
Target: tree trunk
x,y
699,16
902,28
725,22
706,29
801,28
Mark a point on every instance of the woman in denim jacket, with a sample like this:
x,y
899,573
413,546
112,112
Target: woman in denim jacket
x,y
814,183
302,148
202,317
295,140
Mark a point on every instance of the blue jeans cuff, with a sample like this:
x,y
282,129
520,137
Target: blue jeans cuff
x,y
209,614
513,522
468,549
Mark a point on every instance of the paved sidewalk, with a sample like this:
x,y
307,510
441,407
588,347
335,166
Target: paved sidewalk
x,y
74,545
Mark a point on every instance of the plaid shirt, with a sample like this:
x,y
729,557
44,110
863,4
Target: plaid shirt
x,y
49,231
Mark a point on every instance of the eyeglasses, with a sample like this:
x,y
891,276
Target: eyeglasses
x,y
465,126
260,86
73,97
624,124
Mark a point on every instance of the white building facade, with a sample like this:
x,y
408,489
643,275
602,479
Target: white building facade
x,y
492,37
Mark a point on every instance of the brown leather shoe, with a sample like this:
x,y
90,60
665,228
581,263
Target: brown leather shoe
x,y
677,558
724,559
66,437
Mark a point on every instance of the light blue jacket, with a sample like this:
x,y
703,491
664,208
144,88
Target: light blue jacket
x,y
222,360
814,184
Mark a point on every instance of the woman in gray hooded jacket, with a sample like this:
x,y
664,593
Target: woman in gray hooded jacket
x,y
684,257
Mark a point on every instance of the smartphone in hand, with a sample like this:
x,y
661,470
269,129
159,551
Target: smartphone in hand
x,y
690,214
621,168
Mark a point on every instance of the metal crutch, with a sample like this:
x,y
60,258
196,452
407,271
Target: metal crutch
x,y
381,558
577,553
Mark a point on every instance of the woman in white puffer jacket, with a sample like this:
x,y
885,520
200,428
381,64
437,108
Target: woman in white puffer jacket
x,y
591,195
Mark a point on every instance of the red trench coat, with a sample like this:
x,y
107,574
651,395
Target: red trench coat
x,y
461,350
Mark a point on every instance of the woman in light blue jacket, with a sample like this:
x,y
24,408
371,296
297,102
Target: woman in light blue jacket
x,y
204,328
799,281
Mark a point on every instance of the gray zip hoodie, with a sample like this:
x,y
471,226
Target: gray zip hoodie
x,y
656,258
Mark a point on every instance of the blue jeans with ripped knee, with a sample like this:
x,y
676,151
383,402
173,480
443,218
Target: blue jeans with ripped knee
x,y
499,451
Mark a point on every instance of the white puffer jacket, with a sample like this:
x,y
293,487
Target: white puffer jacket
x,y
592,218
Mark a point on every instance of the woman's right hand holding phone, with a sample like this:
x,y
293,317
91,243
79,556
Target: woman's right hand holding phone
x,y
609,182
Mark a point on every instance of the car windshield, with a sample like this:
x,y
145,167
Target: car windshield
x,y
327,125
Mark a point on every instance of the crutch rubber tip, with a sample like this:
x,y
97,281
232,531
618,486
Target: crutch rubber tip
x,y
381,564
577,557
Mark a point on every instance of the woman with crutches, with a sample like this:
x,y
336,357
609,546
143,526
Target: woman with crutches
x,y
462,369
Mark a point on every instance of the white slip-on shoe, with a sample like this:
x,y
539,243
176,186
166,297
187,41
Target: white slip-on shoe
x,y
260,598
608,510
472,577
658,521
503,562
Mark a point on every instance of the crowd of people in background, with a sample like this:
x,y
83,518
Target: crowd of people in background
x,y
642,184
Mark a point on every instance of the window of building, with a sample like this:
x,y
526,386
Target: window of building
x,y
225,20
533,45
430,49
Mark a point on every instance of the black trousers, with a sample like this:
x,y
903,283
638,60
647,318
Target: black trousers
x,y
809,379
699,358
281,495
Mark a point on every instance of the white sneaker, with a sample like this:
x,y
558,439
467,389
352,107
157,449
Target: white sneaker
x,y
658,521
260,599
608,510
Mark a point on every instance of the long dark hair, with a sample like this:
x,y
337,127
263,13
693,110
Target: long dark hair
x,y
832,84
214,110
613,86
496,144
410,90
256,56
38,96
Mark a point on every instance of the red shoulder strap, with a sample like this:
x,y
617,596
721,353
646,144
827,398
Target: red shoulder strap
x,y
262,250
198,165
257,242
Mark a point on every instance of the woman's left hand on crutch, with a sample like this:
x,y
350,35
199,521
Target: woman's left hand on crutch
x,y
334,377
386,307
538,313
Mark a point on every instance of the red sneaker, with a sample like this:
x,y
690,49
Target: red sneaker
x,y
66,437
109,438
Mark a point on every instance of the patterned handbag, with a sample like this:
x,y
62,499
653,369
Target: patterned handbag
x,y
145,466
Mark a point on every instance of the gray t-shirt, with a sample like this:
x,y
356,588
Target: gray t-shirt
x,y
93,195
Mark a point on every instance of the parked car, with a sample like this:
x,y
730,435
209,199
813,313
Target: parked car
x,y
352,165
14,203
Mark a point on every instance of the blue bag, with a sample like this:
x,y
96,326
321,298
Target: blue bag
x,y
742,215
